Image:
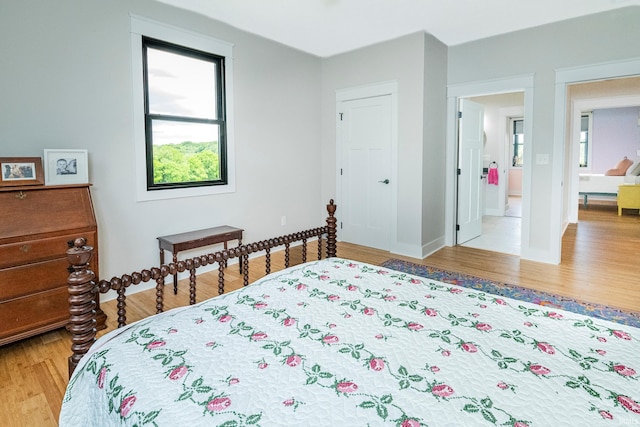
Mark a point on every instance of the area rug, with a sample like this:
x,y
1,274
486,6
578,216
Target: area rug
x,y
517,292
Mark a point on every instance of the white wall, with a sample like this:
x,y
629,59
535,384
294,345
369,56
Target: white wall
x,y
434,152
406,60
65,82
541,51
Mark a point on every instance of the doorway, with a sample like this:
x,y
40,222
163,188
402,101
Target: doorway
x,y
616,72
501,196
608,143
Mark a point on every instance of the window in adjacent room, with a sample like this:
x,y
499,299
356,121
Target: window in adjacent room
x,y
182,99
585,135
517,137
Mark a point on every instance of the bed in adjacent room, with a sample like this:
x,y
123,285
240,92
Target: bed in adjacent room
x,y
605,186
335,342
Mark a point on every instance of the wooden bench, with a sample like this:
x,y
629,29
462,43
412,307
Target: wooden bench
x,y
586,194
196,239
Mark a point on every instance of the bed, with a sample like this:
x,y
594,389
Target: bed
x,y
602,186
335,342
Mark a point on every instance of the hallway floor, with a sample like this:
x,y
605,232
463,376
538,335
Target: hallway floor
x,y
501,233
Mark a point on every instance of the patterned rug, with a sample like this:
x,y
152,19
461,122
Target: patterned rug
x,y
516,292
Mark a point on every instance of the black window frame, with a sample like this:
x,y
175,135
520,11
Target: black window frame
x,y
587,142
515,143
220,120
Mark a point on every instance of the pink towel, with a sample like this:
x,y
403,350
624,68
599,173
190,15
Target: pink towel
x,y
493,176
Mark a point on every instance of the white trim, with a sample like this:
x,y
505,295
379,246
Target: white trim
x,y
616,69
490,87
142,26
368,91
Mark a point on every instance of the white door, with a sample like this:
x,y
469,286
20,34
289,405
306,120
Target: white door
x,y
470,142
365,131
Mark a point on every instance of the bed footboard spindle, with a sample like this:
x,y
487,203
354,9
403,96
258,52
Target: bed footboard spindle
x,y
331,230
286,254
82,290
220,279
217,257
192,286
122,306
243,257
159,292
267,260
304,250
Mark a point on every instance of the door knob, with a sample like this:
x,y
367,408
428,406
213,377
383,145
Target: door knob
x,y
386,181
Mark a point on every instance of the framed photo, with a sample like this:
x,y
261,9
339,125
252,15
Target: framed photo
x,y
15,171
66,167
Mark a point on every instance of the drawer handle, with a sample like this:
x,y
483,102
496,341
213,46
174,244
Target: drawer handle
x,y
21,195
25,248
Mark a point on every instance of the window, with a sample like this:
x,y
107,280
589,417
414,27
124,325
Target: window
x,y
184,116
585,135
517,135
182,85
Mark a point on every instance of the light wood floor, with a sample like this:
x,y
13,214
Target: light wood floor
x,y
599,264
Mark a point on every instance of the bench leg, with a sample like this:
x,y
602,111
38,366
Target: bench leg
x,y
175,276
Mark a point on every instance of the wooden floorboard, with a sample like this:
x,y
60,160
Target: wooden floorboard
x,y
599,264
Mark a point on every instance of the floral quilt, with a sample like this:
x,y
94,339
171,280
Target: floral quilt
x,y
338,342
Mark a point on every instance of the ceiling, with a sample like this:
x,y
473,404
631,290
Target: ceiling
x,y
329,27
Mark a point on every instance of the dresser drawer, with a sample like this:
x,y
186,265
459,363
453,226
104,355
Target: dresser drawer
x,y
34,314
33,278
45,210
30,251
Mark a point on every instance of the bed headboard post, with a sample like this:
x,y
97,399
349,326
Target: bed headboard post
x,y
331,230
82,294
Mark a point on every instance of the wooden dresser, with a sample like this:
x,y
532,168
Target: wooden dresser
x,y
36,222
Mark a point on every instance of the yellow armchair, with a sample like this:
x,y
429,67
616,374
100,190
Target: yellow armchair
x,y
628,197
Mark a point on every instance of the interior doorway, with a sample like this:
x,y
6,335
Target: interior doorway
x,y
501,193
608,142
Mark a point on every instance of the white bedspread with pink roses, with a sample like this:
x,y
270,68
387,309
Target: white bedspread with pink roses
x,y
342,343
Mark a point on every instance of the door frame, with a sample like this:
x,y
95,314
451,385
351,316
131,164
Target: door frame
x,y
561,172
465,90
369,91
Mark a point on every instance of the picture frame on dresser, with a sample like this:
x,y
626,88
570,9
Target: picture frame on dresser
x,y
66,166
19,171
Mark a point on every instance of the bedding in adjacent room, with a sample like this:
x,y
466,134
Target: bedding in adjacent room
x,y
338,342
598,183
